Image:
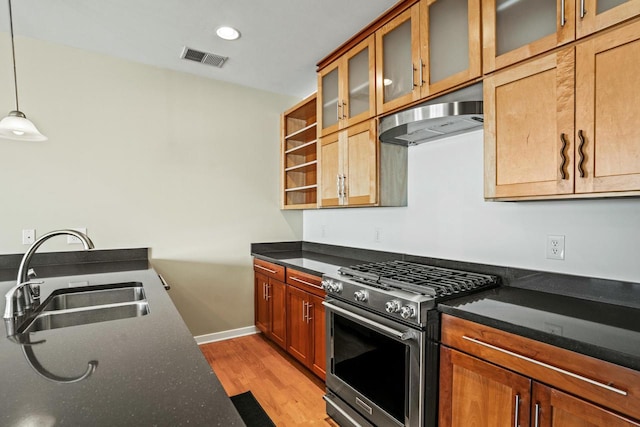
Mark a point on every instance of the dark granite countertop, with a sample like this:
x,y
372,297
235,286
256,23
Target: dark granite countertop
x,y
601,330
596,317
150,371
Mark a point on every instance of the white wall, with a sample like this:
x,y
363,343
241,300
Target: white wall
x,y
447,217
145,157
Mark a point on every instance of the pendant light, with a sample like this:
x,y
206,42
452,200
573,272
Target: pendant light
x,y
16,125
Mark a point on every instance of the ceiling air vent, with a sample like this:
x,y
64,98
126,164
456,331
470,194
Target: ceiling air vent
x,y
203,57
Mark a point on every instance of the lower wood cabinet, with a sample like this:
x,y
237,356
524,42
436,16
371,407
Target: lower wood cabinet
x,y
489,387
270,314
306,321
269,301
291,314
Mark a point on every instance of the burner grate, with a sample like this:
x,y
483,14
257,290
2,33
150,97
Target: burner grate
x,y
419,278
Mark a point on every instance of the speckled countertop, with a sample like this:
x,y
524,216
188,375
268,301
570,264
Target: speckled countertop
x,y
150,371
596,317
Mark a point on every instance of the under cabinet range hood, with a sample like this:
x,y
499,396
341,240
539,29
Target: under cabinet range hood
x,y
451,114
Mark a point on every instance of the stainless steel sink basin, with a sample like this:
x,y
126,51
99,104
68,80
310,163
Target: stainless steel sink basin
x,y
64,299
91,304
83,316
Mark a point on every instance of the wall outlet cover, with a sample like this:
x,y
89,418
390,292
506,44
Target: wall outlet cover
x,y
555,247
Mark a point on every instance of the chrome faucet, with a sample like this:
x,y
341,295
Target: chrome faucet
x,y
21,296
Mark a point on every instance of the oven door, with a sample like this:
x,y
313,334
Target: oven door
x,y
374,366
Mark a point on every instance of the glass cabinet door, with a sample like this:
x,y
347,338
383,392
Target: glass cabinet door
x,y
517,29
359,84
329,105
398,60
595,15
454,49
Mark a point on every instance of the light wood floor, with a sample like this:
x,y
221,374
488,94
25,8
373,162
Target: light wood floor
x,y
290,394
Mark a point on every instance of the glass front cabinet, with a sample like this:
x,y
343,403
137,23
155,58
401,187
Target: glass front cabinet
x,y
429,48
346,89
514,30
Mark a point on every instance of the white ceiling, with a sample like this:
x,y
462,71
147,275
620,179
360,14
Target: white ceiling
x,y
281,40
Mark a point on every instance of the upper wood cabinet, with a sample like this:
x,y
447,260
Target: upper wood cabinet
x,y
298,155
516,30
608,112
595,15
346,89
529,127
537,149
349,167
430,47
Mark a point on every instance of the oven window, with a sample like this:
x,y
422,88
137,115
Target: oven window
x,y
371,363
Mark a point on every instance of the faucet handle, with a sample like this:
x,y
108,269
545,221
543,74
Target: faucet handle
x,y
31,273
35,290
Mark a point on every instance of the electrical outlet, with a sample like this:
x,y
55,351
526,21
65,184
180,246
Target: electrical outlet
x,y
377,234
555,247
73,240
28,236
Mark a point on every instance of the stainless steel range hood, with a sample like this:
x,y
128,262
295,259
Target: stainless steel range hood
x,y
452,114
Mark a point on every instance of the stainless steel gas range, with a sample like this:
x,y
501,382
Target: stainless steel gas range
x,y
382,340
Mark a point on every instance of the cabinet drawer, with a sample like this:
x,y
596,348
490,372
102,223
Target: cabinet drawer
x,y
269,269
305,281
610,385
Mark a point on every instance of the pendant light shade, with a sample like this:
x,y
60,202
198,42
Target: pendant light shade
x,y
16,126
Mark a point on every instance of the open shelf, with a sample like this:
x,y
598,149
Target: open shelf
x,y
299,160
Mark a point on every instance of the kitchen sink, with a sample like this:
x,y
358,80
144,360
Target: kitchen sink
x,y
90,304
83,316
63,299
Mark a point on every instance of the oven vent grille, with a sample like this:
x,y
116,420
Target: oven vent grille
x,y
203,57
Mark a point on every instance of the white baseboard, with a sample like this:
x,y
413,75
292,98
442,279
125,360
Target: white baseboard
x,y
225,335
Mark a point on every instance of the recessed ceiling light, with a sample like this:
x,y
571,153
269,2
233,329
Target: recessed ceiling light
x,y
228,33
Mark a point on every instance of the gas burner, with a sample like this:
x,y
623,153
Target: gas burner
x,y
418,278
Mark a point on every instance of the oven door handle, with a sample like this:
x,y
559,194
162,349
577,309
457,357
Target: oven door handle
x,y
402,336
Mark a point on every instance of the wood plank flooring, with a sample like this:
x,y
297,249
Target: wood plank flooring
x,y
288,392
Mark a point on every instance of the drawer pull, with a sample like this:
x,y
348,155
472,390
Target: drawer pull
x,y
553,368
265,268
516,415
295,279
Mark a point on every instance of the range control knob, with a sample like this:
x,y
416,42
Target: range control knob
x,y
331,286
392,306
407,312
360,296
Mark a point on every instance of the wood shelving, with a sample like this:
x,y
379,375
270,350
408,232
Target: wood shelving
x,y
299,156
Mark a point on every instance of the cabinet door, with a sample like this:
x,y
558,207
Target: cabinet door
x,y
330,171
516,30
553,408
359,83
398,63
529,122
452,47
595,15
329,105
298,331
362,164
608,112
319,353
261,303
474,392
277,301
